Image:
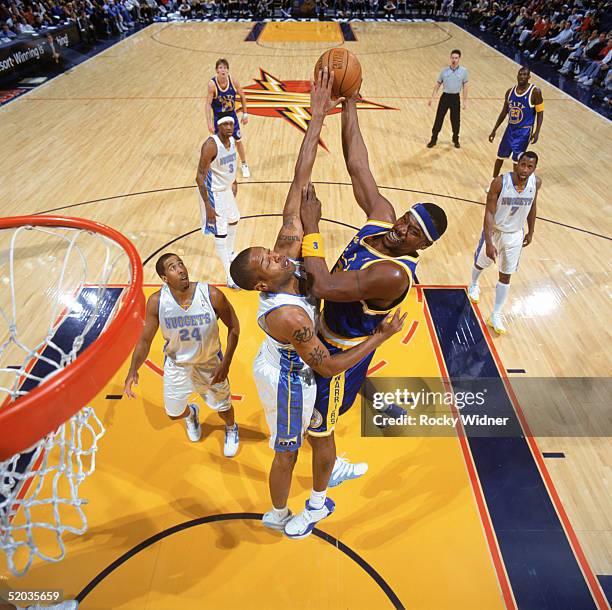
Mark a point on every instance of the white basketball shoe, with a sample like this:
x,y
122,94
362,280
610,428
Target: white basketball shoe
x,y
496,322
192,423
474,293
273,522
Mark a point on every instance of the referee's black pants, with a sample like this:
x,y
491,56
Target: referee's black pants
x,y
448,100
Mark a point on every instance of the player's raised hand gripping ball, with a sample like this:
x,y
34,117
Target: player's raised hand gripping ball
x,y
346,69
321,100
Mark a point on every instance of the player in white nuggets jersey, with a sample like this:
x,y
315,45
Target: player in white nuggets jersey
x,y
193,362
511,201
216,180
291,352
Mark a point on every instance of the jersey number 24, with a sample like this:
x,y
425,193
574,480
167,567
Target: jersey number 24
x,y
194,335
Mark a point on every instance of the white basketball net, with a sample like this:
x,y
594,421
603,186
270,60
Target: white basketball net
x,y
44,272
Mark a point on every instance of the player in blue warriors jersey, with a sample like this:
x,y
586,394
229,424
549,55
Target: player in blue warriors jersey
x,y
220,99
372,276
292,352
524,107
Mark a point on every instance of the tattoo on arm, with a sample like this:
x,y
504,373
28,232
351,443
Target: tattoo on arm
x,y
303,335
316,356
288,223
289,238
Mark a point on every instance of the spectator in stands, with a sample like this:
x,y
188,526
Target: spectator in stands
x,y
114,16
477,12
88,32
547,47
286,9
149,10
100,20
447,8
56,58
6,35
526,27
389,9
185,9
591,73
23,28
373,8
531,38
594,51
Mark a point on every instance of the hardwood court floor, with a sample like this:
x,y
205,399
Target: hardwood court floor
x,y
118,138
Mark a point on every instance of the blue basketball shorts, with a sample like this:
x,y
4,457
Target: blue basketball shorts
x,y
336,395
514,143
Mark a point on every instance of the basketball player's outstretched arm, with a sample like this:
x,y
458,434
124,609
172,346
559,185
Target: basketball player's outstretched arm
x,y
207,156
292,325
355,152
289,240
141,351
224,310
502,115
384,282
531,217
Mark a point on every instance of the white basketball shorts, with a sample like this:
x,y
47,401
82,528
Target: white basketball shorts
x,y
509,247
182,380
288,398
226,209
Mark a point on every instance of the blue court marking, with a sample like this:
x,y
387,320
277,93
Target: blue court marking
x,y
255,33
347,32
543,570
71,327
606,585
553,454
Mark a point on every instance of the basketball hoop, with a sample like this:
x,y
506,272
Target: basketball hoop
x,y
71,310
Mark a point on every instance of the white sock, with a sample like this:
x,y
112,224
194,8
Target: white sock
x,y
317,498
222,253
475,275
501,294
231,238
280,513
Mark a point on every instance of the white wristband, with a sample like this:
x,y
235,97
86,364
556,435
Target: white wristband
x,y
245,115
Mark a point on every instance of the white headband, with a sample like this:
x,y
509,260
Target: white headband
x,y
225,119
418,218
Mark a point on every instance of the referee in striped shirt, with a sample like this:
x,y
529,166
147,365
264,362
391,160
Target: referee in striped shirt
x,y
453,78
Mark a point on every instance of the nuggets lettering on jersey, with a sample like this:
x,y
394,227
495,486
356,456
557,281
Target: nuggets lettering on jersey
x,y
191,336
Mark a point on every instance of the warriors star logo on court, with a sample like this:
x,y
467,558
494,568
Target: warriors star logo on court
x,y
290,100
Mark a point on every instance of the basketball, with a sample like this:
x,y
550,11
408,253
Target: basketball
x,y
346,69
